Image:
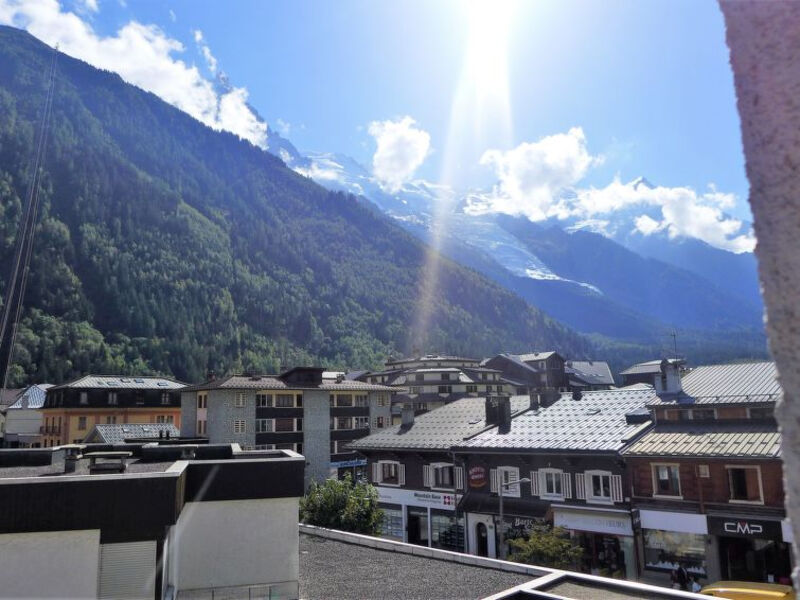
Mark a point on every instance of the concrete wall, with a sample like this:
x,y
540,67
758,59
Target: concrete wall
x,y
52,564
23,420
188,413
316,435
236,543
222,412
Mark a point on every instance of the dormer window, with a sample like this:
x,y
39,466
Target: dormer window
x,y
112,398
84,398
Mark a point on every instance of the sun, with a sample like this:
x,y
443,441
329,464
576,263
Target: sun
x,y
486,61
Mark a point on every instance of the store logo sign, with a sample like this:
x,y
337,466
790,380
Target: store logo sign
x,y
742,527
477,477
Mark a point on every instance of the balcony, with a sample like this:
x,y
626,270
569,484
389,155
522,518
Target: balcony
x,y
50,429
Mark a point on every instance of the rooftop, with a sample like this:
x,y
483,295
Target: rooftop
x,y
31,397
440,428
737,383
592,372
710,439
536,355
118,433
120,381
274,382
596,421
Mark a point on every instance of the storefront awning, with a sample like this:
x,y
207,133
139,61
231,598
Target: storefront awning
x,y
596,521
485,504
674,521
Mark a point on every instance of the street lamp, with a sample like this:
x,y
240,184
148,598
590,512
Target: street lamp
x,y
503,546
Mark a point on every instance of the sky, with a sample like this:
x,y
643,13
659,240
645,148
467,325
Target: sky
x,y
516,101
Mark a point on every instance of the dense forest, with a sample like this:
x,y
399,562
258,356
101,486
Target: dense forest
x,y
166,247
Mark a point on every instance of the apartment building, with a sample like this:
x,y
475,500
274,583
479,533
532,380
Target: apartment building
x,y
433,380
305,409
708,480
71,409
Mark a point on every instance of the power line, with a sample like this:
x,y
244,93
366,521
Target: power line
x,y
24,246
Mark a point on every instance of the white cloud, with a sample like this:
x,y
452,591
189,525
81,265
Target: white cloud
x,y
402,148
144,56
91,5
647,225
532,176
284,127
211,61
172,16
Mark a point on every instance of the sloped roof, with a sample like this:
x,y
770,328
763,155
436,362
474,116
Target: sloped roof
x,y
123,382
650,366
594,422
118,433
738,383
740,440
592,372
32,397
9,396
536,355
272,382
438,429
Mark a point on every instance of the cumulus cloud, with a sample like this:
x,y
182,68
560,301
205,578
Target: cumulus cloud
x,y
541,180
172,16
91,5
401,148
532,176
211,60
144,56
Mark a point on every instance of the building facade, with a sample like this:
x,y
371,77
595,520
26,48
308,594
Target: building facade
x,y
71,409
23,425
305,409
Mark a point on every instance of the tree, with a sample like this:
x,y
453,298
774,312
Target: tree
x,y
546,546
342,505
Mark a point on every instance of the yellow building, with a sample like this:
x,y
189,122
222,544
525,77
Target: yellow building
x,y
72,409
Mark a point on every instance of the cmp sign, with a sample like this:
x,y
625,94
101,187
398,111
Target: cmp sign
x,y
745,528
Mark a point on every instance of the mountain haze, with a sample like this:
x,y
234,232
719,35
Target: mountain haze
x,y
164,246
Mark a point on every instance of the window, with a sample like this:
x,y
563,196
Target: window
x,y
676,414
362,423
445,376
284,400
284,425
421,406
745,484
112,397
445,389
110,420
443,476
239,401
344,400
239,426
164,397
704,414
419,377
703,471
84,398
551,483
600,488
332,400
665,550
392,525
666,480
361,401
264,400
472,389
298,402
81,423
415,389
383,399
503,479
202,400
201,427
161,419
390,473
379,422
344,422
759,413
264,447
264,425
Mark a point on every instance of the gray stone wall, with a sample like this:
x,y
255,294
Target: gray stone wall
x,y
222,412
188,414
376,410
316,435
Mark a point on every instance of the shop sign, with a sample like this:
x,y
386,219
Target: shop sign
x,y
477,477
440,500
520,527
594,521
358,462
745,528
672,521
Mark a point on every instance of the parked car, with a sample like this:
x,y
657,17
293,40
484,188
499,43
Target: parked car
x,y
748,590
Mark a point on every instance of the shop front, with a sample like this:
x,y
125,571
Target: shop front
x,y
670,539
356,468
424,518
751,549
606,537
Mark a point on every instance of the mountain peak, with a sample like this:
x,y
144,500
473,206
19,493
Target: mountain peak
x,y
643,181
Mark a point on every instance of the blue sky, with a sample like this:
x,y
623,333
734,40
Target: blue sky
x,y
647,83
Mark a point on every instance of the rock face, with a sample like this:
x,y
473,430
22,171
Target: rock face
x,y
764,38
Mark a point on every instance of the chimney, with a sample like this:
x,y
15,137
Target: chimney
x,y
498,412
160,433
72,455
167,433
668,381
534,396
577,395
211,376
548,397
408,414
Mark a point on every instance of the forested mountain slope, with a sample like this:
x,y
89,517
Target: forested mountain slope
x,y
164,246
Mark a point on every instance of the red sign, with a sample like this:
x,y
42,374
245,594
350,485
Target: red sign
x,y
477,477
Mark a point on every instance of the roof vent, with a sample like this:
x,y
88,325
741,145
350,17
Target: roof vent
x,y
577,395
592,411
339,378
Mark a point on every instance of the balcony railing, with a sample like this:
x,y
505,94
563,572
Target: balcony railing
x,y
50,429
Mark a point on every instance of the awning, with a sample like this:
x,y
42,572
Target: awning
x,y
595,521
486,504
673,521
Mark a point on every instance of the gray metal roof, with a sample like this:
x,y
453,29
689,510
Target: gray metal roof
x,y
738,383
271,382
594,422
741,440
32,397
592,372
118,433
123,382
9,396
438,429
650,366
536,355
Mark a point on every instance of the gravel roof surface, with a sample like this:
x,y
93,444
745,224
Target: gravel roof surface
x,y
332,570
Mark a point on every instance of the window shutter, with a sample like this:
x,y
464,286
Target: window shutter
x,y
616,488
426,476
493,481
536,485
566,485
401,474
580,492
459,472
376,473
